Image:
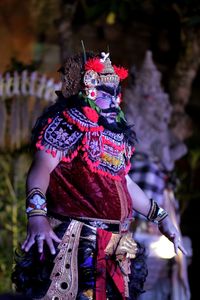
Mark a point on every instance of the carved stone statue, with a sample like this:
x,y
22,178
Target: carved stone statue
x,y
147,106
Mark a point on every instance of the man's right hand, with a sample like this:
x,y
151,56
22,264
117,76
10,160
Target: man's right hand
x,y
40,231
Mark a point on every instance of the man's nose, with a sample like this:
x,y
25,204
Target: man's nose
x,y
114,102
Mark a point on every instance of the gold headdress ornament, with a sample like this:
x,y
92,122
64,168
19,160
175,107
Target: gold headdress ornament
x,y
108,73
92,72
101,71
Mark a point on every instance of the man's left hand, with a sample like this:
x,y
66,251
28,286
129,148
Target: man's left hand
x,y
167,228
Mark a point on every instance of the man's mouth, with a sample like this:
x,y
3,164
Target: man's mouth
x,y
113,114
109,114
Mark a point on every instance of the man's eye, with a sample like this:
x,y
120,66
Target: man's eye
x,y
106,96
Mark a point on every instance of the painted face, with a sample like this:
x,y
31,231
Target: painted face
x,y
107,100
106,95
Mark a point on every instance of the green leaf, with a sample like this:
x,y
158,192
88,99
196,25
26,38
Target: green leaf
x,y
121,116
93,105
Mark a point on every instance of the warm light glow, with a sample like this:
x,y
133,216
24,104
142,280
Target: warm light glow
x,y
162,248
110,19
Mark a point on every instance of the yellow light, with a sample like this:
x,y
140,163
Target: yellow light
x,y
111,17
162,248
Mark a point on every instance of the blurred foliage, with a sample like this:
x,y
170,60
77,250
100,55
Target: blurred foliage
x,y
12,215
121,11
125,10
46,14
16,65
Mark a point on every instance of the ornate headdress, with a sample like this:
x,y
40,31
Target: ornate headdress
x,y
95,71
100,71
83,77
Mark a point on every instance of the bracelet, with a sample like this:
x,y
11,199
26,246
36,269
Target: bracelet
x,y
36,203
156,214
37,212
34,190
162,214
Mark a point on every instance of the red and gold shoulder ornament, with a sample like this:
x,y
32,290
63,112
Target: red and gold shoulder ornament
x,y
71,133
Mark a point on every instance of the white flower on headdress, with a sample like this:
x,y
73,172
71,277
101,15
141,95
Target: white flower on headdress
x,y
91,93
104,56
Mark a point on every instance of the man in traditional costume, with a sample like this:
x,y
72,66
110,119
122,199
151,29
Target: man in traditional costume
x,y
80,199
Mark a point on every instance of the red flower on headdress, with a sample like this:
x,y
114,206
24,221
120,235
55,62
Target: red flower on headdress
x,y
94,64
90,113
121,72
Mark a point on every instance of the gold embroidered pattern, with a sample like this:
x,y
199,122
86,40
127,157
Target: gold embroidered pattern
x,y
64,276
89,294
111,159
112,244
126,251
125,248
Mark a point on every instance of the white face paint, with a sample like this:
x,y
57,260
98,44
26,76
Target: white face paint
x,y
106,100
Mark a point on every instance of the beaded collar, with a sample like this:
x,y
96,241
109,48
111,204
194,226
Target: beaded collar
x,y
72,133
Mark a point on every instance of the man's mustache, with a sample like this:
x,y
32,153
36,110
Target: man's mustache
x,y
110,110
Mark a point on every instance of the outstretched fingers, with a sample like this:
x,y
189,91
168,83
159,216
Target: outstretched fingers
x,y
50,244
175,241
55,237
40,242
28,243
177,244
39,239
52,237
181,247
25,242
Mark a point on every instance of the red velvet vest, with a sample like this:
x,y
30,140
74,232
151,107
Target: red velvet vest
x,y
90,179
